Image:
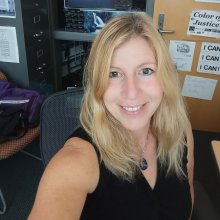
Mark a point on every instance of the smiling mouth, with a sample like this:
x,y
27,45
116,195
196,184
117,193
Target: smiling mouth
x,y
132,108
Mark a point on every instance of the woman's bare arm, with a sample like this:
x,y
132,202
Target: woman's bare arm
x,y
68,178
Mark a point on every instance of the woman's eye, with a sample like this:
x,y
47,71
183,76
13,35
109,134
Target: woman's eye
x,y
147,71
114,74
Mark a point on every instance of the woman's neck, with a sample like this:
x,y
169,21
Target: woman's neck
x,y
141,137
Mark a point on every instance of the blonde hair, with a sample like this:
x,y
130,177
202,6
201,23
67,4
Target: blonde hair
x,y
115,144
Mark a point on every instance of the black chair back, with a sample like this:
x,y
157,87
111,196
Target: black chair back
x,y
59,117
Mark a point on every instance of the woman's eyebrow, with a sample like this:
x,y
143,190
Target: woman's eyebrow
x,y
146,63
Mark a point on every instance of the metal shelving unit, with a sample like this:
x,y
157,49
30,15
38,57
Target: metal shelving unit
x,y
60,35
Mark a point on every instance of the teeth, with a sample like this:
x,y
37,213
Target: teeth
x,y
132,108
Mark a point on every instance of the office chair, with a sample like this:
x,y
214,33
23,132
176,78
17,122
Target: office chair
x,y
60,116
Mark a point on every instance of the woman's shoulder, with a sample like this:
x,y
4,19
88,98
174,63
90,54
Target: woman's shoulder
x,y
76,160
82,134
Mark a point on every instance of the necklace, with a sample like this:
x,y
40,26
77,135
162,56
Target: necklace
x,y
143,162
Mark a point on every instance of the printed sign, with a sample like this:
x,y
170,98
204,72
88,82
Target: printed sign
x,y
209,58
209,1
182,54
199,87
8,45
7,8
204,23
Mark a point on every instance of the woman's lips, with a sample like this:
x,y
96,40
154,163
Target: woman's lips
x,y
133,109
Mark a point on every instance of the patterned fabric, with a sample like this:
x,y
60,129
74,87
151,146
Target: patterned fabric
x,y
11,147
2,76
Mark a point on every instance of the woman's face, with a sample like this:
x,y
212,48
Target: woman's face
x,y
134,92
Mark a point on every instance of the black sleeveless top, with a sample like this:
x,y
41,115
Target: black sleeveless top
x,y
116,199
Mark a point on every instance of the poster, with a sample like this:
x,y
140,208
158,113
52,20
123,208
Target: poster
x,y
8,45
204,23
7,8
182,54
209,58
199,87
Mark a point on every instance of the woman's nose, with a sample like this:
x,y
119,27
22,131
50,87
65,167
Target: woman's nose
x,y
131,87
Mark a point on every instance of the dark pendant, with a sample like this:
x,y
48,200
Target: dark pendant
x,y
143,164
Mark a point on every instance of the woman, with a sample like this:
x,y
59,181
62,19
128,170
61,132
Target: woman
x,y
130,159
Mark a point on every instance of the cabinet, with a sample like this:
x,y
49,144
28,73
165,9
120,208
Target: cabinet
x,y
61,36
35,67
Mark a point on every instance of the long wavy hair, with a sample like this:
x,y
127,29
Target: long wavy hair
x,y
169,123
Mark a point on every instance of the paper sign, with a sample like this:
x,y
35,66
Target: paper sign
x,y
182,54
204,23
7,8
8,45
4,5
210,1
199,87
209,58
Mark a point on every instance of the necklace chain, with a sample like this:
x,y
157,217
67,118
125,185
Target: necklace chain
x,y
143,150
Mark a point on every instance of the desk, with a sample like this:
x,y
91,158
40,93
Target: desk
x,y
216,151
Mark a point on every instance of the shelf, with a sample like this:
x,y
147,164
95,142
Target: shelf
x,y
73,36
